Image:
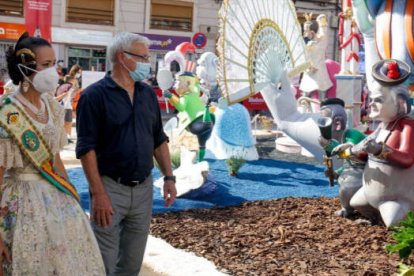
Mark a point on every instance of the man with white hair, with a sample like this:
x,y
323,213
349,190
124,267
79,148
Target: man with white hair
x,y
119,132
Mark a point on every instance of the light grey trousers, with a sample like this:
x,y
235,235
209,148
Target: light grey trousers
x,y
122,243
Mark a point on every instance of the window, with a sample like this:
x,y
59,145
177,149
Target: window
x,y
172,15
88,59
11,7
99,12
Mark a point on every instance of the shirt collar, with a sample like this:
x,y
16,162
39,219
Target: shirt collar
x,y
112,84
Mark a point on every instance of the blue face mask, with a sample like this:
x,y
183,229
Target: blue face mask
x,y
141,71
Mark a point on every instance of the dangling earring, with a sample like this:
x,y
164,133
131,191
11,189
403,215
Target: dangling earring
x,y
25,86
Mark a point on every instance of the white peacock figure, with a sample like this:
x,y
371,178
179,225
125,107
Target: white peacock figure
x,y
260,46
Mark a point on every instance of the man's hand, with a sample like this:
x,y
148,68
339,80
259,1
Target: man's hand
x,y
170,192
5,254
101,209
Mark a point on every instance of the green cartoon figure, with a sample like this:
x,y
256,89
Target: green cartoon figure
x,y
193,114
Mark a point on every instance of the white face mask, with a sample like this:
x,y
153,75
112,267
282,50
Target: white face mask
x,y
45,80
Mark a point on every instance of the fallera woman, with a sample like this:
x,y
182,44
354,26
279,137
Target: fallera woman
x,y
43,228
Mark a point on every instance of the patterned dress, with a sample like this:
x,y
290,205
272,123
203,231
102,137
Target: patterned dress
x,y
46,230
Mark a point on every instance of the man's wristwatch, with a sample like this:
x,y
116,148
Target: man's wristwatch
x,y
169,177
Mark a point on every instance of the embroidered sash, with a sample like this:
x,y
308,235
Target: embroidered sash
x,y
31,143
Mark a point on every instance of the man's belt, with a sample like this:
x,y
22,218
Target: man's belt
x,y
127,181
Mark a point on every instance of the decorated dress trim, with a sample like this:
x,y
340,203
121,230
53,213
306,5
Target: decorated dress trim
x,y
32,144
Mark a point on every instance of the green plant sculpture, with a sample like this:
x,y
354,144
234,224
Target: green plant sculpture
x,y
234,163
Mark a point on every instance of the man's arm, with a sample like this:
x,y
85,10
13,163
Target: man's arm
x,y
403,156
88,125
162,155
101,204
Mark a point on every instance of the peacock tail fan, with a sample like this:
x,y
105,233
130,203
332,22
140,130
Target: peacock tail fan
x,y
258,41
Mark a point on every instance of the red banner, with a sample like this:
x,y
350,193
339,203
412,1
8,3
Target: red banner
x,y
38,18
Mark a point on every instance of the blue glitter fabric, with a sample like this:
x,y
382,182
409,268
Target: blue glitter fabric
x,y
233,126
263,179
208,187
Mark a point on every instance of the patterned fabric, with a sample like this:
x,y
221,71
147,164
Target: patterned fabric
x,y
10,155
46,230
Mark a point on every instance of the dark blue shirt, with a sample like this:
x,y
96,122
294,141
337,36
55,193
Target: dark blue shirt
x,y
123,134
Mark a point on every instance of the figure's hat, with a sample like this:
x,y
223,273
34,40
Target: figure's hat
x,y
330,101
190,66
186,74
390,72
187,48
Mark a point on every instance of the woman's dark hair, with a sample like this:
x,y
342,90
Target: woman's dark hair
x,y
23,53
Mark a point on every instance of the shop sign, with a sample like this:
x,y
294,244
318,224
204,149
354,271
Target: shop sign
x,y
11,31
165,42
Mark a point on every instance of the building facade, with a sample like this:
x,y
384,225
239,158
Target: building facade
x,y
81,30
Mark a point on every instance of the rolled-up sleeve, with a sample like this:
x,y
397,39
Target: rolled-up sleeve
x,y
88,121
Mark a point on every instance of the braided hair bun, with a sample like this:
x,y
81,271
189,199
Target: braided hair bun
x,y
24,54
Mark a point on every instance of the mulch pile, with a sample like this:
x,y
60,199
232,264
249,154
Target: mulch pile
x,y
290,236
294,236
